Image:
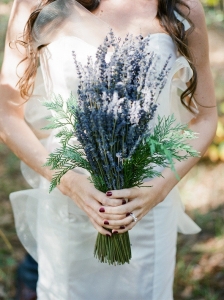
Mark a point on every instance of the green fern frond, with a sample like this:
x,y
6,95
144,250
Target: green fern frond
x,y
57,177
63,112
65,135
167,144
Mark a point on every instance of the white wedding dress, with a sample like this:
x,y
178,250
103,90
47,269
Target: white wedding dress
x,y
60,236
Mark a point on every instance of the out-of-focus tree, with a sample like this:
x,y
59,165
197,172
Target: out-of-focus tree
x,y
214,4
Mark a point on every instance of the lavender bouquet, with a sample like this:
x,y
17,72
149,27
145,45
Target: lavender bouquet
x,y
112,118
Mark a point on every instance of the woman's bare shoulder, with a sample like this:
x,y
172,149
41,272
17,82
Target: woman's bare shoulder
x,y
197,38
196,13
30,5
19,15
193,9
14,53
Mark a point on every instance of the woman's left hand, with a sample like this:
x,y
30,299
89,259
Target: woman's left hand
x,y
140,201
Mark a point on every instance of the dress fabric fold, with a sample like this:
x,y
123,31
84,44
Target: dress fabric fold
x,y
60,236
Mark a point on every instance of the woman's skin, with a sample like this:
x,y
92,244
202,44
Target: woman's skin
x,y
15,133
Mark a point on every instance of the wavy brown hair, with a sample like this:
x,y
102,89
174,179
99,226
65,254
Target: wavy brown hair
x,y
167,19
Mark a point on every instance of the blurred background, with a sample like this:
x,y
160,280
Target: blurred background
x,y
200,258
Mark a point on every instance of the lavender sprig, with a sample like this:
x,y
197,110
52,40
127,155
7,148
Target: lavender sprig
x,y
117,100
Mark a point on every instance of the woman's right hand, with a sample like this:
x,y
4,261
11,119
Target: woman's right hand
x,y
79,188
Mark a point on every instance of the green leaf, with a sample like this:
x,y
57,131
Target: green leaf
x,y
63,112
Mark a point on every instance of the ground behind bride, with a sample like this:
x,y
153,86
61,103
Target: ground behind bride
x,y
200,258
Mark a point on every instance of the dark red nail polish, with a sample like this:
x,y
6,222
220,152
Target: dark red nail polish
x,y
128,214
108,234
122,227
115,232
123,202
109,194
101,209
106,222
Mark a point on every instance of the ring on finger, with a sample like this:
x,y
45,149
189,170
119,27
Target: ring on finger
x,y
134,218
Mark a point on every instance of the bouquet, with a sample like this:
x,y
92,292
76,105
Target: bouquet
x,y
120,141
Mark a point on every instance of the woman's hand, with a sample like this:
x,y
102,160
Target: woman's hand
x,y
91,201
140,201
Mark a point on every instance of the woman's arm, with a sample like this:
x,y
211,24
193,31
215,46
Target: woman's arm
x,y
206,122
17,135
13,129
141,200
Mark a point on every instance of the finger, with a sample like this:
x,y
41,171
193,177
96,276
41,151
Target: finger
x,y
107,200
118,223
110,224
109,217
94,210
124,229
113,227
110,221
124,193
99,228
120,210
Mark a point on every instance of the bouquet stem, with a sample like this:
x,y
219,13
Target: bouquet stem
x,y
114,249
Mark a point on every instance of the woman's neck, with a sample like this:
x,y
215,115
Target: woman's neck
x,y
136,16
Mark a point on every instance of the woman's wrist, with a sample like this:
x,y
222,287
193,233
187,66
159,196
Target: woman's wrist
x,y
164,184
161,186
65,183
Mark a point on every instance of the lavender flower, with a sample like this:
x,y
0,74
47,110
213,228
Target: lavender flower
x,y
116,102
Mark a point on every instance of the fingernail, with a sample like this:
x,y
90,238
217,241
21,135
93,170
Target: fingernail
x,y
101,209
106,222
122,227
109,194
115,232
123,201
128,214
108,234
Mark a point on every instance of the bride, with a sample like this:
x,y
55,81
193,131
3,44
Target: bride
x,y
59,229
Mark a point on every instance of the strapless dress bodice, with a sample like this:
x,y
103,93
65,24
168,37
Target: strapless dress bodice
x,y
62,78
